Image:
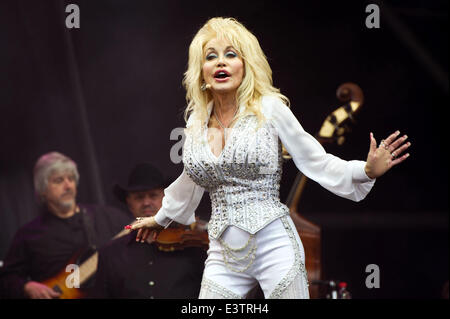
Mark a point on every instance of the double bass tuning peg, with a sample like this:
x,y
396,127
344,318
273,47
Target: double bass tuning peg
x,y
340,131
340,140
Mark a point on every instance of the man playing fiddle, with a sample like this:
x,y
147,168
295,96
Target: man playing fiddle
x,y
138,270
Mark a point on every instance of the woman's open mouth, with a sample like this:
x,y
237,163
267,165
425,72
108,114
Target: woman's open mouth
x,y
221,76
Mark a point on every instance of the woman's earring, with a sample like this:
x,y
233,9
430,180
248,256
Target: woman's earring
x,y
205,86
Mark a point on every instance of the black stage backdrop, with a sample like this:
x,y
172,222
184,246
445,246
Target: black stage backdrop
x,y
109,94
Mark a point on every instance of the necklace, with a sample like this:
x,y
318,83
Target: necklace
x,y
225,129
220,123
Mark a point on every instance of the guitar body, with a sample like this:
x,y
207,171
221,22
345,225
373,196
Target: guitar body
x,y
86,270
58,283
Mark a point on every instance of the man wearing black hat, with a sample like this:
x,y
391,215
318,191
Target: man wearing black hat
x,y
144,191
130,269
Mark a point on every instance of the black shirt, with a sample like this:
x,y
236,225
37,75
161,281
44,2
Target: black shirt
x,y
43,247
128,269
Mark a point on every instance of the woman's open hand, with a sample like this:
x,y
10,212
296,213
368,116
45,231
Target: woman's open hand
x,y
146,226
387,155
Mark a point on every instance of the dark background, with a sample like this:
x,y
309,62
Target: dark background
x,y
109,94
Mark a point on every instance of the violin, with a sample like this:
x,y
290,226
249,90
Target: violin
x,y
180,237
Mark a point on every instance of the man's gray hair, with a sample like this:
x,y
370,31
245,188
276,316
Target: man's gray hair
x,y
48,164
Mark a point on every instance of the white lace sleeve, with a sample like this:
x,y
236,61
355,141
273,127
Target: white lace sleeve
x,y
181,199
344,178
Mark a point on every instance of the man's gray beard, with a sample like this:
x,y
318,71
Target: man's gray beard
x,y
66,205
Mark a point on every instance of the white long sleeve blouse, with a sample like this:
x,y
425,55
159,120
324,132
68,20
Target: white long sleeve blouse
x,y
240,194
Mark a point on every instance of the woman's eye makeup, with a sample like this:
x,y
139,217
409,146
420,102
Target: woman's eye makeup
x,y
228,54
211,56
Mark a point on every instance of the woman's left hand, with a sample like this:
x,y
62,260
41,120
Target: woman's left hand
x,y
387,155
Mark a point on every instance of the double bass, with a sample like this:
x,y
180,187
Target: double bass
x,y
333,129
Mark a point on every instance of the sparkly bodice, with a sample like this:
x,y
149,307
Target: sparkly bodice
x,y
244,180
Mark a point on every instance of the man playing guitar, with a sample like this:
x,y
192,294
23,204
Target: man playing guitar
x,y
41,249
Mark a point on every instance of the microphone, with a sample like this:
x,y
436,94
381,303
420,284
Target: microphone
x,y
205,87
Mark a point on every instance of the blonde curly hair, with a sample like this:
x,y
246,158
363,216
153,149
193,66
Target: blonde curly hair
x,y
257,80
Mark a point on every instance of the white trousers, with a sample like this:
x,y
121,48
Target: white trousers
x,y
274,257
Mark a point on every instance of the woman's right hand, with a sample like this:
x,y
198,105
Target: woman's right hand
x,y
146,226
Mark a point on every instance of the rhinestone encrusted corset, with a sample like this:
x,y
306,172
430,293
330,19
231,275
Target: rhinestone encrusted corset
x,y
244,181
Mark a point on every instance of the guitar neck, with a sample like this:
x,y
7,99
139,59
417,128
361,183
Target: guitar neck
x,y
89,266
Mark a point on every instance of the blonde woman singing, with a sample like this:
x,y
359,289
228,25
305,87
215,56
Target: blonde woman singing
x,y
236,122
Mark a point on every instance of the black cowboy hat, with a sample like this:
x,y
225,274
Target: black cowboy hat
x,y
143,177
